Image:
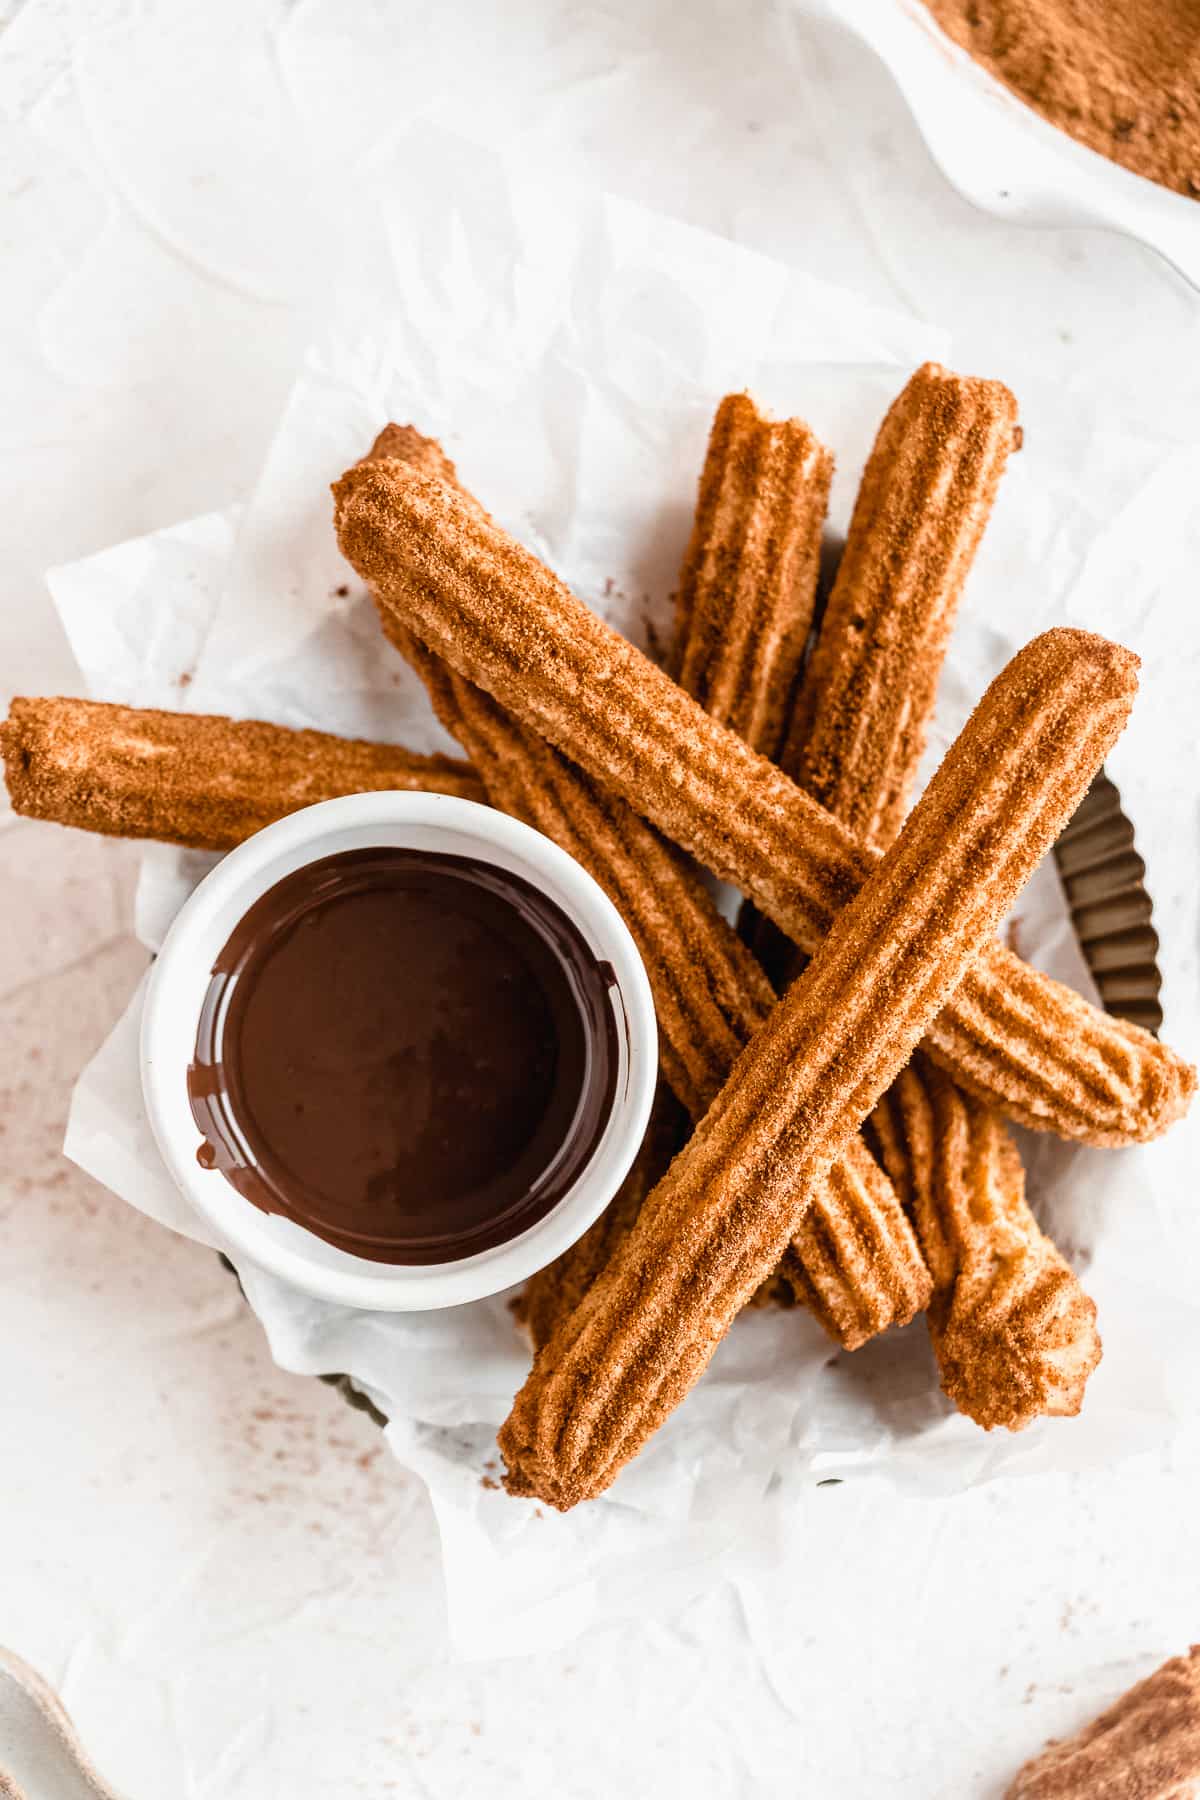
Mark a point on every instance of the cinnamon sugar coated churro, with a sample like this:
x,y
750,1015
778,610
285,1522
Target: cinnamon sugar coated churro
x,y
714,1227
193,778
728,641
858,728
1145,1747
854,1260
1014,1334
749,576
505,622
855,1263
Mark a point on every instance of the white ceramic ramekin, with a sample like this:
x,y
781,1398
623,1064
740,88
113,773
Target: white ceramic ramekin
x,y
430,822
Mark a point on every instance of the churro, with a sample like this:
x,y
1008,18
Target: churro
x,y
195,779
1014,1334
855,1261
717,1223
738,656
1145,1747
858,726
1013,1331
505,622
851,1261
749,576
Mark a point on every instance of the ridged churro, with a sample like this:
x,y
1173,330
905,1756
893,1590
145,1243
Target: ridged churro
x,y
504,621
855,1262
195,779
858,727
717,1223
850,1262
749,576
1145,1747
1014,1333
741,622
861,712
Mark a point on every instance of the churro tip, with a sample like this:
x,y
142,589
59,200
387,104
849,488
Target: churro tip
x,y
373,499
1068,660
1072,640
933,374
1008,1358
361,478
347,486
367,515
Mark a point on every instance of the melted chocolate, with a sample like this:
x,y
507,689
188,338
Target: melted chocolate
x,y
411,1055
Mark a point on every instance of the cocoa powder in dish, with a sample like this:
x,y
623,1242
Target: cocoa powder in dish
x,y
1122,76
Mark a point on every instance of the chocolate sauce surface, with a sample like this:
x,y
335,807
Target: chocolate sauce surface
x,y
412,1055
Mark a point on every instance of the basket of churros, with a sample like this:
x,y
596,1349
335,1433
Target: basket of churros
x,y
416,882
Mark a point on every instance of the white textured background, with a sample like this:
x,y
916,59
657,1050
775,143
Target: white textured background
x,y
236,1591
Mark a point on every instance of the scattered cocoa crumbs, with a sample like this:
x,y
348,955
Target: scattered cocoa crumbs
x,y
1122,76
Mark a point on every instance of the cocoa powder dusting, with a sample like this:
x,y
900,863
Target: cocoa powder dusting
x,y
1123,79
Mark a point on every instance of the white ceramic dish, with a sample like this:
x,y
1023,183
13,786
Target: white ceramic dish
x,y
1003,156
432,822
